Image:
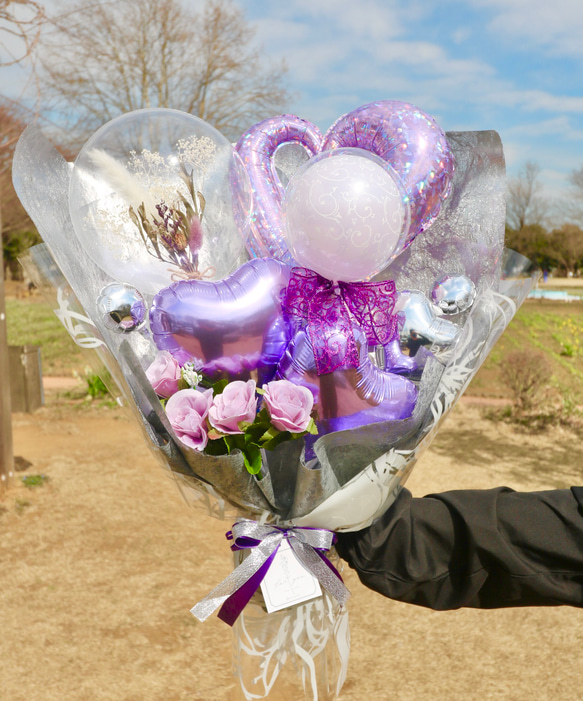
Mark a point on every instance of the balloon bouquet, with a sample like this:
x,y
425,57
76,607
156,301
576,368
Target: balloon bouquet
x,y
289,319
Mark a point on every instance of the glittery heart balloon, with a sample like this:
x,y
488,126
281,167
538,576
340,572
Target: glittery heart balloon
x,y
406,138
257,149
409,140
234,325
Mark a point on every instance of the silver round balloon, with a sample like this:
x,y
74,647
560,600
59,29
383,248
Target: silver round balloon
x,y
122,307
454,294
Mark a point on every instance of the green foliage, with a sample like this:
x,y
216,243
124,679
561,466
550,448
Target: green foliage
x,y
533,242
21,505
13,245
33,481
95,385
561,249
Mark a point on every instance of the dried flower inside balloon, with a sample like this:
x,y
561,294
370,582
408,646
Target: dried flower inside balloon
x,y
165,200
174,233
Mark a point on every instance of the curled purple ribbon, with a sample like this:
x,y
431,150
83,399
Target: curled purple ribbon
x,y
329,310
309,545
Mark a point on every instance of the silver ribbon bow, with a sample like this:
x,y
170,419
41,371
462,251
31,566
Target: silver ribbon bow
x,y
303,541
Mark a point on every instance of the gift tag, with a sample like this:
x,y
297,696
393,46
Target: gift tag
x,y
287,582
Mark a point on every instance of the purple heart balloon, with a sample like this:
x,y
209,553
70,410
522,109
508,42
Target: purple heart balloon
x,y
234,325
401,134
348,397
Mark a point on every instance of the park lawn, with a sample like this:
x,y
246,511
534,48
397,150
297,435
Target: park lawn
x,y
31,321
552,328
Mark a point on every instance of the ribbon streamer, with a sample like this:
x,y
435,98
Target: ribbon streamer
x,y
235,591
329,308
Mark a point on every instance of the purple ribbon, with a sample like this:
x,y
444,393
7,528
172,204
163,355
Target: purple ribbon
x,y
309,545
330,309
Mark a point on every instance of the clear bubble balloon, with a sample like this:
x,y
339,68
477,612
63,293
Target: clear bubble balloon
x,y
151,199
346,215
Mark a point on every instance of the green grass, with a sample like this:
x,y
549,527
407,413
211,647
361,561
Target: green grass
x,y
33,481
32,322
554,329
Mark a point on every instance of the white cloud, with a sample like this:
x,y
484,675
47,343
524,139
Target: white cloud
x,y
560,127
539,100
368,19
555,26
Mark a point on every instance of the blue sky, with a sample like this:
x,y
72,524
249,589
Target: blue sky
x,y
510,65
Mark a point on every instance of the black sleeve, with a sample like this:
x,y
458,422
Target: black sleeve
x,y
482,549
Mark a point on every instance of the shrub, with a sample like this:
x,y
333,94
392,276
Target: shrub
x,y
526,374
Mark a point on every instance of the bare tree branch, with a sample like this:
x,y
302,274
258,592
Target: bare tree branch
x,y
101,59
22,19
525,204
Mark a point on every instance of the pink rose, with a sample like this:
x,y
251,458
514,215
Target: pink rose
x,y
187,411
164,374
289,405
236,404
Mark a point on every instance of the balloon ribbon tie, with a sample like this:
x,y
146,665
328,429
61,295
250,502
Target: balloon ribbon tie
x,y
309,545
178,275
330,309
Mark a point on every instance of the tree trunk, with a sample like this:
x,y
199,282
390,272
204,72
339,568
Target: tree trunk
x,y
6,456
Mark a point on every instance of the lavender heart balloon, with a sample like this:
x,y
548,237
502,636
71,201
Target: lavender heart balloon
x,y
257,148
234,325
406,138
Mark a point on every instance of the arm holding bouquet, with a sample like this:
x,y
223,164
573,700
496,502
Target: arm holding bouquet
x,y
474,548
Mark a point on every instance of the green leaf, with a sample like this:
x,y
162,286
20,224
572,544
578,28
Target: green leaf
x,y
234,442
183,384
264,416
281,437
312,428
255,431
217,447
252,458
219,386
269,435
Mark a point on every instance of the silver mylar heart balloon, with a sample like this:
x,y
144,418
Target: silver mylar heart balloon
x,y
122,307
422,326
454,294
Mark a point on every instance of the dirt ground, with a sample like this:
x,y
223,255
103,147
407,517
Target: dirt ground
x,y
101,564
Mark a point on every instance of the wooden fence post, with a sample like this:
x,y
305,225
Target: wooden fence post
x,y
6,455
